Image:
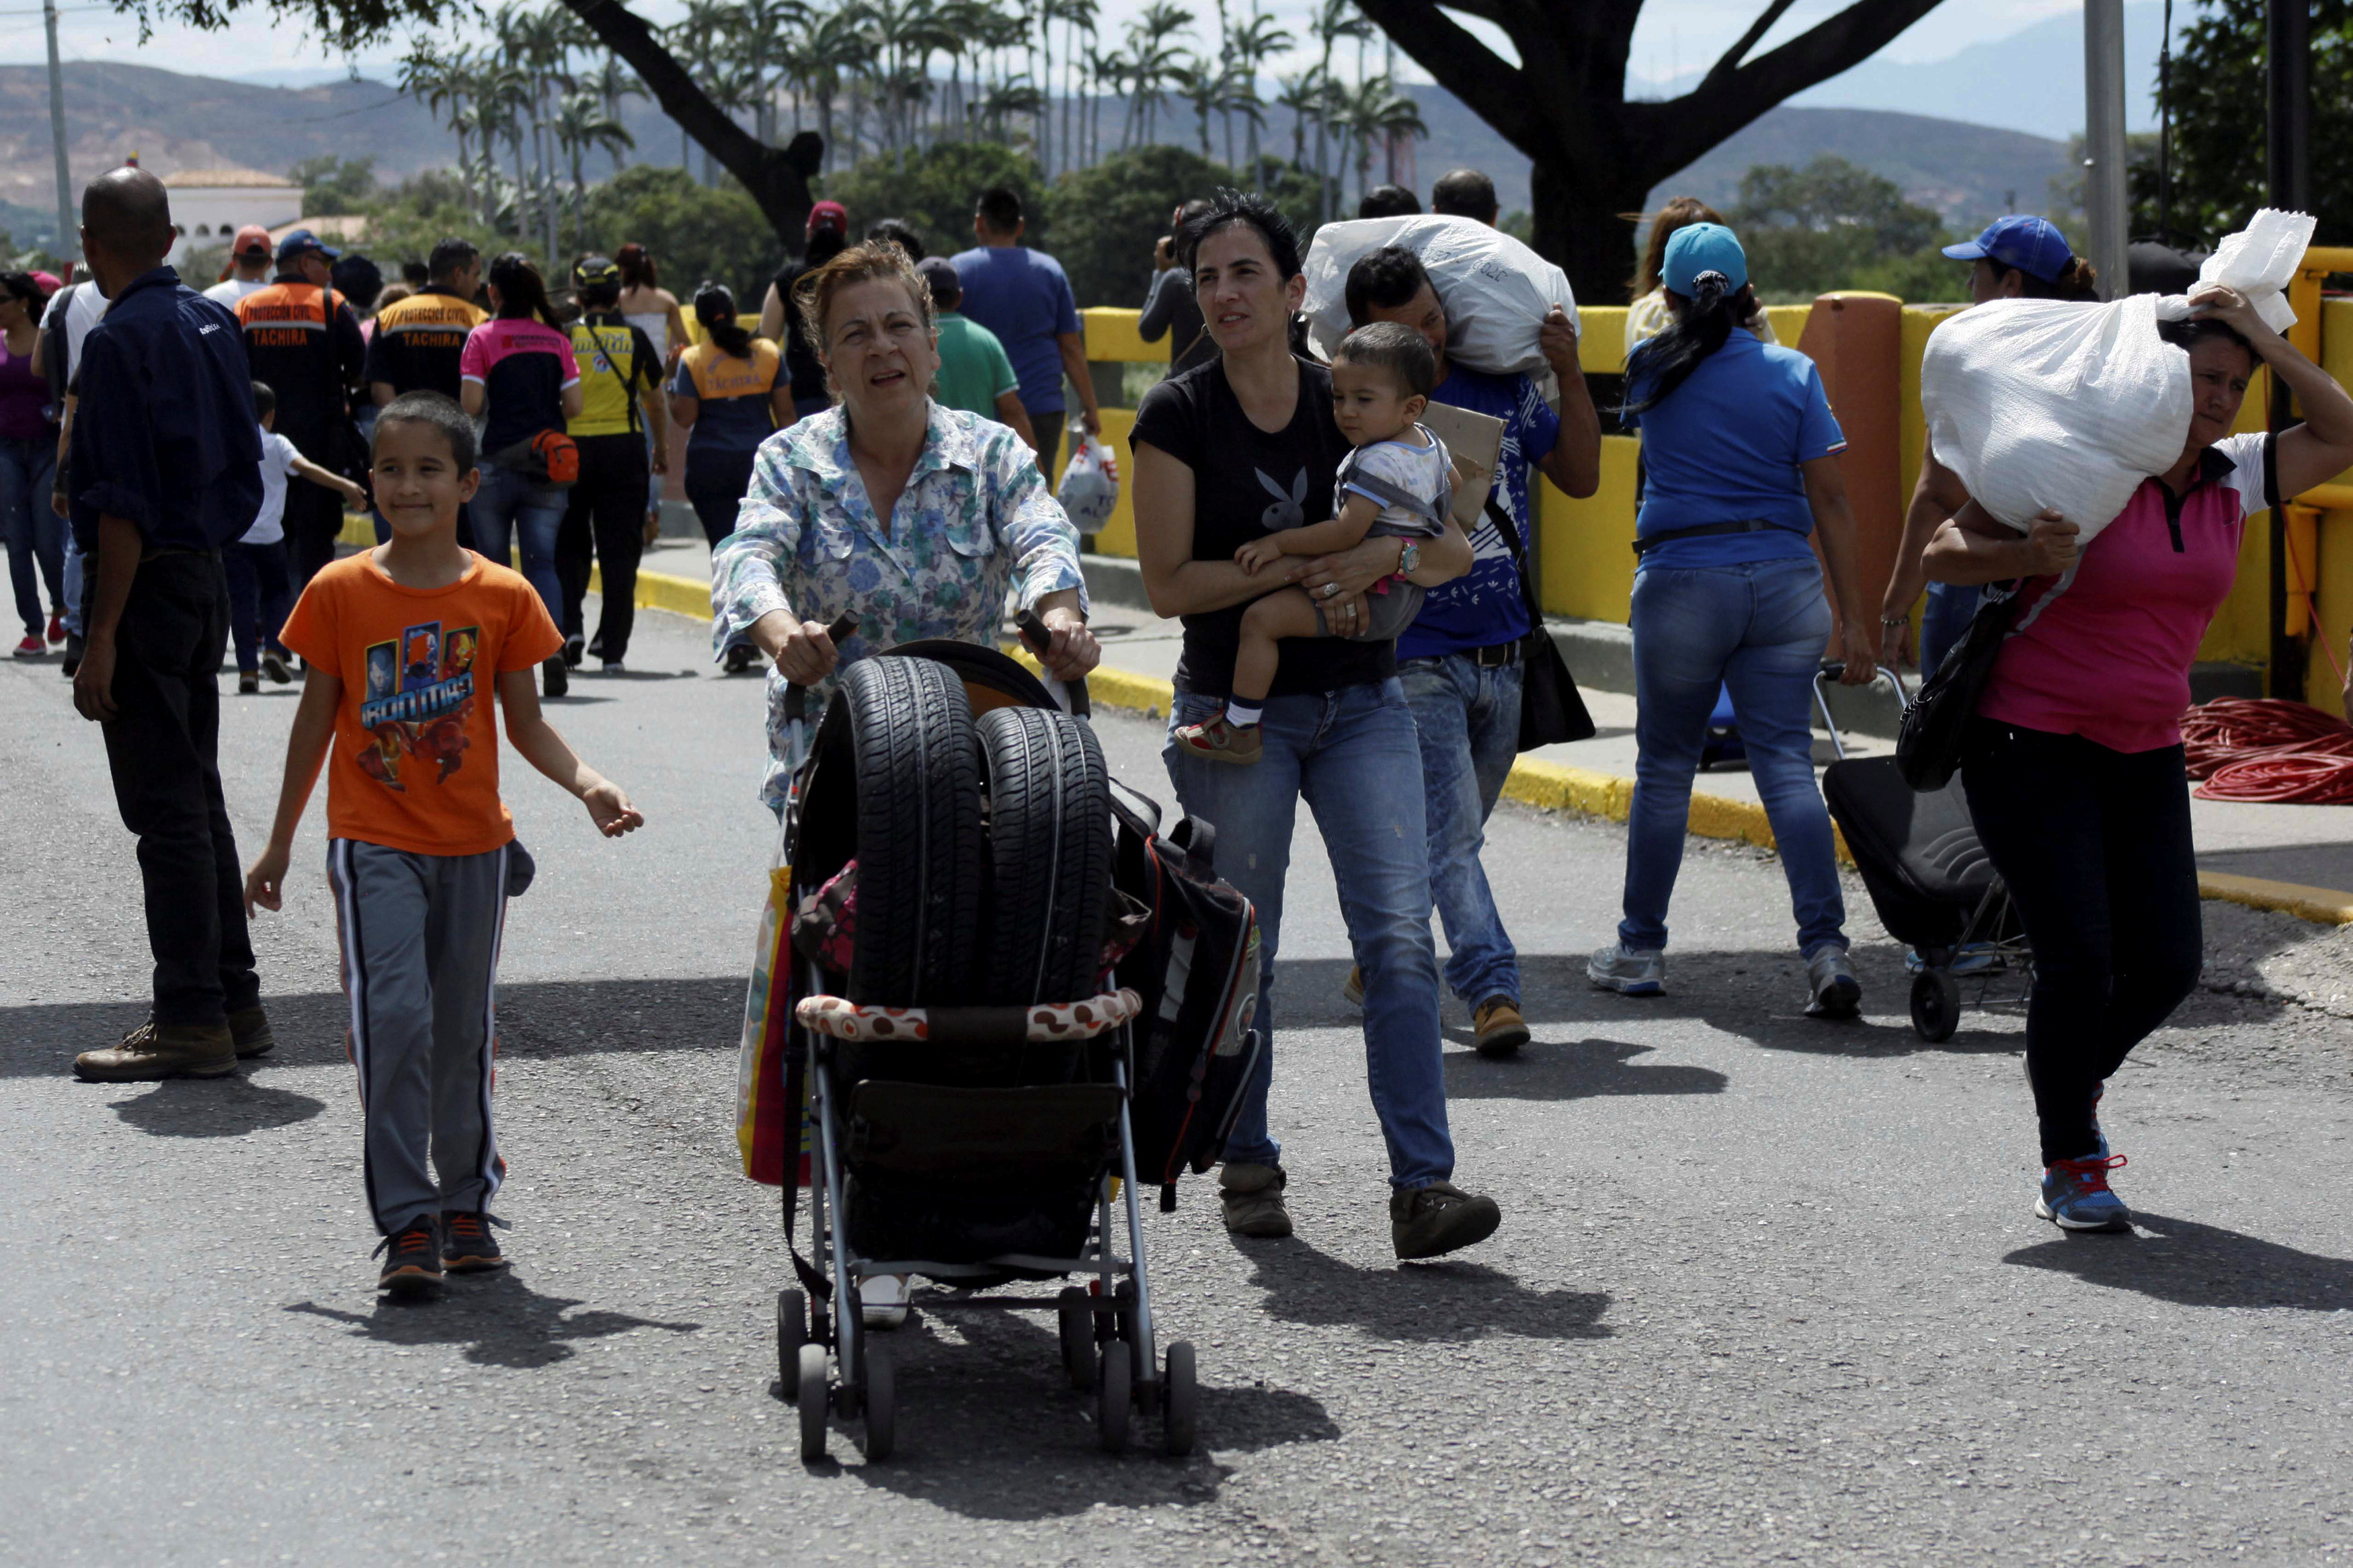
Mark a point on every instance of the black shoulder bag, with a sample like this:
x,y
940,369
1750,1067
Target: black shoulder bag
x,y
1928,740
1551,710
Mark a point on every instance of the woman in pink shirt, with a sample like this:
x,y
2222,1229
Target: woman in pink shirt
x,y
2074,764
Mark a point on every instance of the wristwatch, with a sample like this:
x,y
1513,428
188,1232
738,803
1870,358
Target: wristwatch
x,y
1409,558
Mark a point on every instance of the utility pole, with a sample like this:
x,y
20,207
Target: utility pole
x,y
2106,205
68,233
2287,83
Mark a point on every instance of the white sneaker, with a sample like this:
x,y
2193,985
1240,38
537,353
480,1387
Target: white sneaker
x,y
883,1300
1629,972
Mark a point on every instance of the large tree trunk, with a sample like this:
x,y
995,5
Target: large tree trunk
x,y
1579,226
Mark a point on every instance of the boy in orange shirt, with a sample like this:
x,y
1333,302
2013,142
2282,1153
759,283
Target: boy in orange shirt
x,y
402,645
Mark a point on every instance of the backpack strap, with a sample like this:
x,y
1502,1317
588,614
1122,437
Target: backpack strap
x,y
1387,494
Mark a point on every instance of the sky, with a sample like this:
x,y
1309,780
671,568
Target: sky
x,y
1673,35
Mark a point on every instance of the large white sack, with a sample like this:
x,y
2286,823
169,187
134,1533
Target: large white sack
x,y
2047,403
2260,261
1495,289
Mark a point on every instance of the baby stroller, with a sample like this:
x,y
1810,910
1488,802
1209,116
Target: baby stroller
x,y
969,1069
1927,875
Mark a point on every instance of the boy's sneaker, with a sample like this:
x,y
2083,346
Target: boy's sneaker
x,y
1213,739
574,646
155,1051
2075,1195
273,665
739,659
412,1259
554,677
1252,1196
248,1030
1832,988
613,667
467,1245
56,629
1427,1221
1498,1027
1352,990
1629,972
249,683
32,647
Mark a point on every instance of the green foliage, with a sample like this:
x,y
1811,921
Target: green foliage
x,y
2217,124
933,188
1833,225
405,224
1107,218
695,232
332,187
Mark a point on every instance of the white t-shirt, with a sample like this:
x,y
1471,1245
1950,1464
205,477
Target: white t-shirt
x,y
1419,470
82,309
277,456
229,290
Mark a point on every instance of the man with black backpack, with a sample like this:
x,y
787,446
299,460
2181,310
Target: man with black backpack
x,y
305,343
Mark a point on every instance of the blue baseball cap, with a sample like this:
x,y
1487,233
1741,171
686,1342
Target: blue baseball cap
x,y
300,240
2032,245
1698,248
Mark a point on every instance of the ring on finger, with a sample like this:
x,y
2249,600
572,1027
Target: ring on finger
x,y
1331,590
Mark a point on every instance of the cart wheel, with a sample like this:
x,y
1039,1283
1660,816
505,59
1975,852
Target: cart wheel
x,y
1077,1325
792,1333
881,1405
1113,1396
1936,1005
1180,1400
812,1402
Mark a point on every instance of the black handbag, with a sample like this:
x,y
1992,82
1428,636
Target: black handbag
x,y
1551,710
1928,741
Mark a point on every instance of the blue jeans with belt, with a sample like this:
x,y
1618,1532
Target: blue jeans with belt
x,y
1759,628
1468,720
509,509
1353,756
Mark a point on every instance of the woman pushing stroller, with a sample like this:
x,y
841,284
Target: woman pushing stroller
x,y
2072,763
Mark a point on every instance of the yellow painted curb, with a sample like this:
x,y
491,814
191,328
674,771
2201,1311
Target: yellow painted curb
x,y
660,591
2323,906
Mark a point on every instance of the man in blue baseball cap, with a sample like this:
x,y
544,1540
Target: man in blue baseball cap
x,y
2022,257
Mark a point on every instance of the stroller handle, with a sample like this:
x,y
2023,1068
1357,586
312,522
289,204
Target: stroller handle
x,y
1036,640
796,696
1830,672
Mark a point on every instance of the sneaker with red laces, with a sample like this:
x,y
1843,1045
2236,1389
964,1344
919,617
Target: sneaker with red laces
x,y
467,1245
56,629
32,647
2076,1195
1216,739
412,1259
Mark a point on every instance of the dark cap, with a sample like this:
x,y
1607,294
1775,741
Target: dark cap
x,y
300,240
595,272
939,275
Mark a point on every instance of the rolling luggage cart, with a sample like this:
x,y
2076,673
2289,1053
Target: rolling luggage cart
x,y
1929,878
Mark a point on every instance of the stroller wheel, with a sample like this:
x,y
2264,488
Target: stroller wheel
x,y
881,1405
1936,1005
792,1332
1180,1400
1113,1396
1078,1326
812,1402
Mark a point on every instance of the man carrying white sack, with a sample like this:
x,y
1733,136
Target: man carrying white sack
x,y
2072,763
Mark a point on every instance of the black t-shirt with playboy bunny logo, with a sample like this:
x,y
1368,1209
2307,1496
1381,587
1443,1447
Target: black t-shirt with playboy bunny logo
x,y
1248,483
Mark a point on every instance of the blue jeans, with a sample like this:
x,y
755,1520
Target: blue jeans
x,y
1352,755
33,529
1949,610
509,509
1759,628
1468,720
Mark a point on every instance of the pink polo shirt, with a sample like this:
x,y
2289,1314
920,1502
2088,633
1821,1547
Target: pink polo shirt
x,y
2106,653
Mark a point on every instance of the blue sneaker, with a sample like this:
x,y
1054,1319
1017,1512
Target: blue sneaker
x,y
1629,972
2075,1195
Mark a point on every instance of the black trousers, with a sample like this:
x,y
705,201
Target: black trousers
x,y
160,747
2095,844
314,521
716,484
607,509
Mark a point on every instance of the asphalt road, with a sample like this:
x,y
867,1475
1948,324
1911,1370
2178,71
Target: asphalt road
x,y
1767,1288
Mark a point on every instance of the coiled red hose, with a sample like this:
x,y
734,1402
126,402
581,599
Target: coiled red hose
x,y
2268,749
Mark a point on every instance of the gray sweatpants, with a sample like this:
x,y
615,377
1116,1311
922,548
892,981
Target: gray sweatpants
x,y
420,941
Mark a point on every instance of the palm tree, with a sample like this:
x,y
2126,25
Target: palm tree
x,y
613,82
1303,96
1260,40
1375,112
580,124
1198,83
830,51
1154,62
1335,20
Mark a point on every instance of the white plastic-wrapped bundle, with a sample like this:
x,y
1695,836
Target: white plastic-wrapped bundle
x,y
1497,291
2260,261
2040,404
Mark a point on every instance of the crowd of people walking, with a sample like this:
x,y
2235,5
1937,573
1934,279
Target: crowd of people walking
x,y
869,457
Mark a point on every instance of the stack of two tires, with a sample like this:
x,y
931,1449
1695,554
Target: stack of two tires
x,y
983,849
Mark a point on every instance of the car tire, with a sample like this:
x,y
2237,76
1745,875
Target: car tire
x,y
1049,849
921,869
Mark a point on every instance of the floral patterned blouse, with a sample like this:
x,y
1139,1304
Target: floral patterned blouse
x,y
807,542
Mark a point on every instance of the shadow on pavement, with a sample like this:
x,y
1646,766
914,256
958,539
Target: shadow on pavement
x,y
1444,1300
991,1428
2196,1265
1577,1069
540,1018
212,1107
498,1319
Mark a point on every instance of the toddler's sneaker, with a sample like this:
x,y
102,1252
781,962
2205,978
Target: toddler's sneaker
x,y
467,1245
1831,985
412,1260
273,665
2075,1195
1629,972
249,683
1214,739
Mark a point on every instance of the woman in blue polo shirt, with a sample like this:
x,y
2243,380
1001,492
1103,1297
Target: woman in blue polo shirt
x,y
1741,452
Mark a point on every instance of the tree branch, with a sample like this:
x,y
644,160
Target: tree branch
x,y
1739,51
1493,90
